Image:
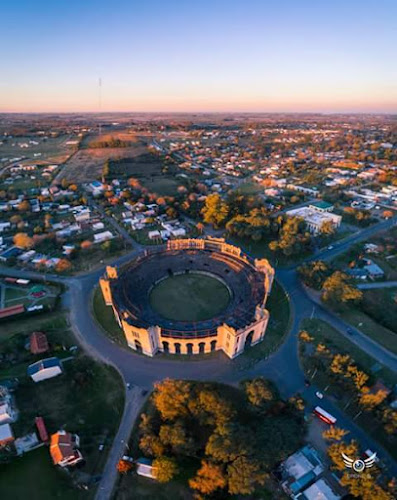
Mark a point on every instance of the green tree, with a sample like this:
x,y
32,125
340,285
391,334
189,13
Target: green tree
x,y
258,392
313,274
244,475
176,437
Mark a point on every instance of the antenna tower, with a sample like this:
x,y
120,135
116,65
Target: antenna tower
x,y
100,103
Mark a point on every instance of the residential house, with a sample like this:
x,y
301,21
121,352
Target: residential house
x,y
38,343
320,490
300,470
104,236
6,435
7,413
144,467
44,369
64,449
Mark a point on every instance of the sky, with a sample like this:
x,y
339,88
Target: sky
x,y
189,55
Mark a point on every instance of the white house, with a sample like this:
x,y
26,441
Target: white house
x,y
7,414
144,467
104,236
6,435
44,369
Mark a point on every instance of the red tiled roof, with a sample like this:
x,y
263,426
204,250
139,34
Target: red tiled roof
x,y
38,343
10,311
39,421
61,447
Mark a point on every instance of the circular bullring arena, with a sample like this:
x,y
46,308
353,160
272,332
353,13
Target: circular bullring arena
x,y
191,296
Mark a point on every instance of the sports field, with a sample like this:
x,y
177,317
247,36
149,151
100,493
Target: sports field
x,y
189,297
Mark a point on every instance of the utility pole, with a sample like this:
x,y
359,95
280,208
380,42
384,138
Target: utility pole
x,y
100,103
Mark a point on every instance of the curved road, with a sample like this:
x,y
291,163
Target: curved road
x,y
282,367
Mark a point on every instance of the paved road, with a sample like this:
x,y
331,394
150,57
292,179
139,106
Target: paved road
x,y
282,367
378,284
134,402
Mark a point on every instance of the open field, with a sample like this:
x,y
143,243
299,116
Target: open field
x,y
105,317
135,160
33,476
86,165
372,328
142,165
93,139
48,150
189,297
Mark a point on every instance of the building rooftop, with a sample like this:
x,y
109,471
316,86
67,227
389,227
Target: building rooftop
x,y
323,205
43,364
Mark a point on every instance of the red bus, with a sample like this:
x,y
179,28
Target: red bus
x,y
324,416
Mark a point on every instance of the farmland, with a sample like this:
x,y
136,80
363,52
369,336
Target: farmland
x,y
86,165
42,149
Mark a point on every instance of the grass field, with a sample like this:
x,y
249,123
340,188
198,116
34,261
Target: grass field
x,y
189,297
105,317
279,324
51,321
33,476
370,327
164,185
52,149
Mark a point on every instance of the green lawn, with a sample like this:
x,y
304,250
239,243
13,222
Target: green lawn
x,y
161,185
279,324
51,321
367,325
33,476
105,317
189,297
250,188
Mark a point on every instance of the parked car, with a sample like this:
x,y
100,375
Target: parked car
x,y
319,395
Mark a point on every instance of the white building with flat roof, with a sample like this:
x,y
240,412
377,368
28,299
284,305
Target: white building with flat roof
x,y
315,217
320,490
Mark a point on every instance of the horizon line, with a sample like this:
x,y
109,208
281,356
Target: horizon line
x,y
202,112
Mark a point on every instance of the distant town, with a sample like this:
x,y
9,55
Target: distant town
x,y
198,306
